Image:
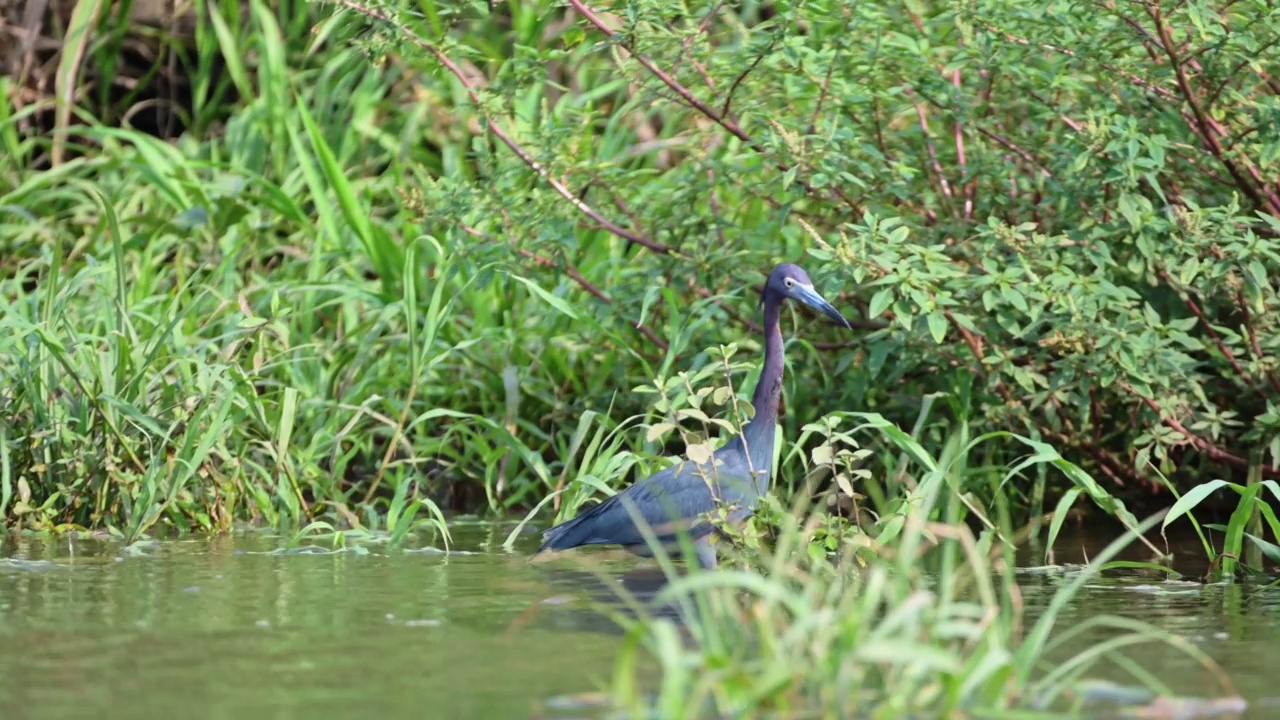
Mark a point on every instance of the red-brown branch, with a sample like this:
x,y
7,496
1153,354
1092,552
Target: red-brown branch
x,y
1204,125
501,134
1009,145
574,275
969,188
822,95
1205,446
1253,336
688,42
733,86
1108,464
973,341
1208,329
1163,92
715,206
721,119
928,143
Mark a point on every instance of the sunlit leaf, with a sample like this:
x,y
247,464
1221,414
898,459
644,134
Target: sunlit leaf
x,y
1192,498
698,452
657,430
555,302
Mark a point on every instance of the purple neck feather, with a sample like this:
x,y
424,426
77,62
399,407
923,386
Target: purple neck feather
x,y
765,399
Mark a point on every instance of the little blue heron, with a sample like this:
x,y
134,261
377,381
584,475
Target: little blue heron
x,y
681,497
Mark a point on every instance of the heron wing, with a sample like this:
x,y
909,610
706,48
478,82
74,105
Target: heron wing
x,y
673,499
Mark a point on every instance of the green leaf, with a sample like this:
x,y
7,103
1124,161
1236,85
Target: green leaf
x,y
1130,213
1189,270
989,300
899,438
789,176
1259,273
822,455
937,326
1194,497
1013,297
876,358
1271,550
698,452
552,300
692,412
572,37
1273,486
880,301
1060,513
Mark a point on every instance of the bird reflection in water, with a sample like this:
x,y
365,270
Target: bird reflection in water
x,y
596,600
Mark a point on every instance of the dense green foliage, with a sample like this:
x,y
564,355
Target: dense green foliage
x,y
927,620
432,248
420,256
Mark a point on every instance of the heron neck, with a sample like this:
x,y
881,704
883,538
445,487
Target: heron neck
x,y
768,389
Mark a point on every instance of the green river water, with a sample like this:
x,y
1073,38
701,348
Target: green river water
x,y
230,627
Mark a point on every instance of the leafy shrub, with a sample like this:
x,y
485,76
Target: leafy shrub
x,y
1077,205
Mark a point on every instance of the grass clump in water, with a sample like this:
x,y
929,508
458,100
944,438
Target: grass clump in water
x,y
930,625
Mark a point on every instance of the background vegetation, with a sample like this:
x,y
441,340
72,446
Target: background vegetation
x,y
290,261
343,265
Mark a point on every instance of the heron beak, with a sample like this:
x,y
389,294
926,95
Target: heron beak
x,y
807,295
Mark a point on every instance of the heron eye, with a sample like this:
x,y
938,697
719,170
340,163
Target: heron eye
x,y
789,282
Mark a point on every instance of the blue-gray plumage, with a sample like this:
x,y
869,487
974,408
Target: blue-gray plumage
x,y
737,475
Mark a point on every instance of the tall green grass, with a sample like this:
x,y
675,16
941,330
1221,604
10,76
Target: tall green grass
x,y
255,325
909,617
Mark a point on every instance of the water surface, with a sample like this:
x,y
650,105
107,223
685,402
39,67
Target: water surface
x,y
223,627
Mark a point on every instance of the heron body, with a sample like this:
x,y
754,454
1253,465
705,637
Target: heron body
x,y
684,496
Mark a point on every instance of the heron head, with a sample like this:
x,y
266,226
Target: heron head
x,y
791,281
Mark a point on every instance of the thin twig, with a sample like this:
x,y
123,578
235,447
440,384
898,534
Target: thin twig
x,y
706,77
724,120
928,143
1204,322
1271,82
688,42
973,341
575,275
1199,443
497,130
1136,80
960,157
1009,145
822,93
715,206
1107,463
1235,71
1253,336
733,87
1261,195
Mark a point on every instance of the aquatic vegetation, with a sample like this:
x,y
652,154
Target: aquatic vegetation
x,y
1245,524
929,624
